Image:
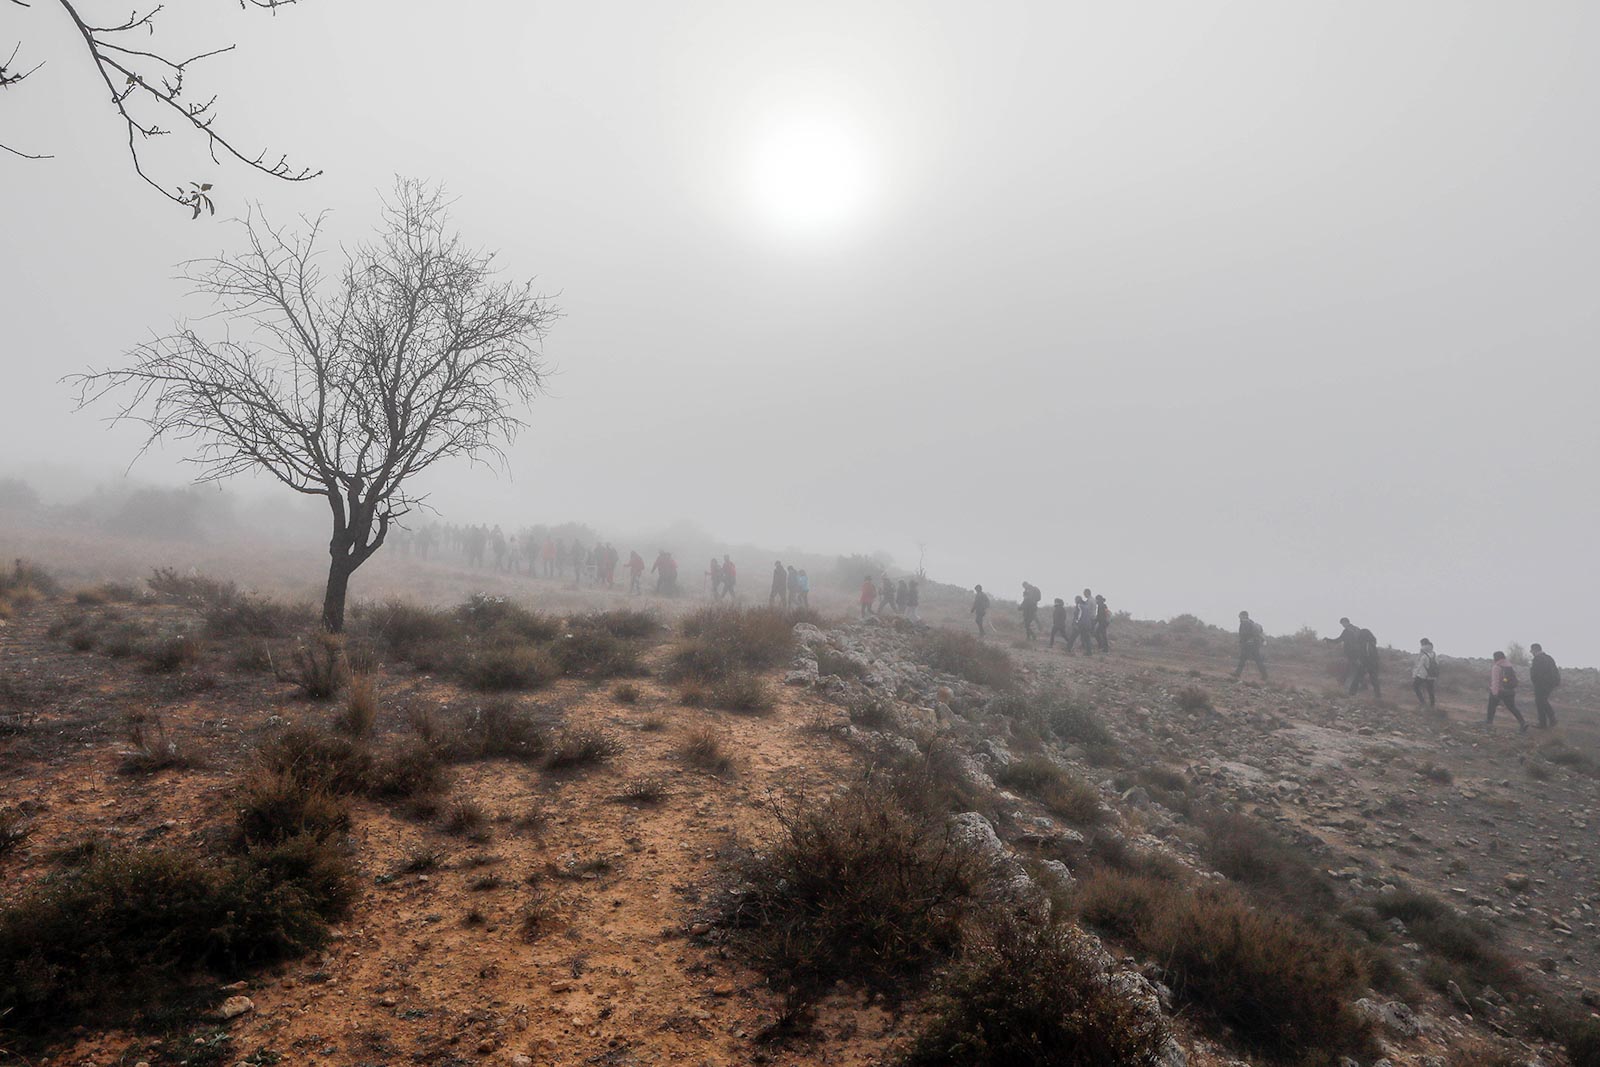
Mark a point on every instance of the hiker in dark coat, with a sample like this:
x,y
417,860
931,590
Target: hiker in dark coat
x,y
1083,622
980,608
1058,624
1360,655
1102,623
1030,610
1251,639
1546,678
1503,692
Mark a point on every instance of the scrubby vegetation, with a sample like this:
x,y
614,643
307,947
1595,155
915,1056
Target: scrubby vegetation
x,y
967,657
1462,950
719,642
1062,793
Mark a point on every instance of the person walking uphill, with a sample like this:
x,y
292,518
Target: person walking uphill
x,y
1251,639
780,587
1360,656
869,593
1083,623
1503,692
1424,673
1546,677
1030,610
1058,624
980,608
1102,623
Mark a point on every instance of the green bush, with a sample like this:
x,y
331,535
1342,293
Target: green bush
x,y
1061,793
621,622
592,652
1466,949
484,615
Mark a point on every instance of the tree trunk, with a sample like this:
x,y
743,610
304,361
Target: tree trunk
x,y
339,572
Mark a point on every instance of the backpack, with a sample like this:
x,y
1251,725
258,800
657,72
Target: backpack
x,y
1431,668
1508,677
1257,631
1104,614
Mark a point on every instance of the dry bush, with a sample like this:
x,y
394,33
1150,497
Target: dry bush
x,y
872,712
1582,1038
1464,950
621,622
26,579
466,818
1563,754
1027,994
492,615
859,888
595,653
1061,793
702,748
500,667
153,749
360,707
645,792
165,655
741,692
968,657
276,805
1438,773
15,829
1277,985
626,693
935,779
1194,700
1255,854
316,667
254,616
498,729
719,641
403,629
409,770
193,589
318,759
581,746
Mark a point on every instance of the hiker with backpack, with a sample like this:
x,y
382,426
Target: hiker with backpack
x,y
1424,673
779,595
1102,624
980,608
1083,623
1251,639
1058,624
1503,692
1030,610
730,575
1360,655
1546,678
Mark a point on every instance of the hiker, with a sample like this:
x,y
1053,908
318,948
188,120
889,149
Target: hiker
x,y
980,608
902,597
911,600
660,568
635,571
715,571
780,586
885,595
1030,610
730,574
791,587
1424,673
1546,678
1503,692
1251,639
804,585
1360,655
1058,624
869,594
1083,622
1102,624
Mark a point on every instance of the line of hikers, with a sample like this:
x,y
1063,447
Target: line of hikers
x,y
790,588
890,595
1362,662
1088,621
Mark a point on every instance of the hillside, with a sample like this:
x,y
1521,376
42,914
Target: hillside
x,y
552,829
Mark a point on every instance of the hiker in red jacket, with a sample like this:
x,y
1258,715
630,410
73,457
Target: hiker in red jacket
x,y
869,593
635,570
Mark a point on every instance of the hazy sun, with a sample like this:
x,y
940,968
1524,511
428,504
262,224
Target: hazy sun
x,y
810,175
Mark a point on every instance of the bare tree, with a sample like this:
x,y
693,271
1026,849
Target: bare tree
x,y
346,391
147,87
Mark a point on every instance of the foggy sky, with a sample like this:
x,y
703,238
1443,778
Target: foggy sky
x,y
1286,307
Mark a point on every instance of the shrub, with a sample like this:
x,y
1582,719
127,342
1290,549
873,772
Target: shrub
x,y
1061,793
702,748
1249,851
1279,986
872,712
486,614
643,791
404,629
859,888
360,707
967,657
1435,772
1034,995
1563,754
168,654
723,640
741,692
412,769
1582,1039
935,780
153,749
191,588
595,653
14,830
317,759
499,667
1194,700
316,667
626,693
253,616
1464,947
622,622
26,578
582,746
499,729
466,819
276,805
